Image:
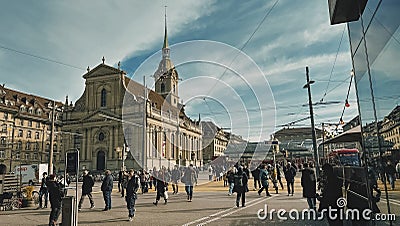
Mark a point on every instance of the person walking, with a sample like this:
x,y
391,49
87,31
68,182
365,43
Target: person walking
x,y
175,177
43,192
131,193
161,187
241,186
331,192
390,171
124,182
278,175
120,178
87,186
264,180
106,188
189,179
210,173
308,182
398,169
290,173
56,194
231,179
256,177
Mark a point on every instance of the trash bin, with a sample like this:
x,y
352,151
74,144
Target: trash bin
x,y
68,205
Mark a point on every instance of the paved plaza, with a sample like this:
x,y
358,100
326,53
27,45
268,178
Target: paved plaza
x,y
211,206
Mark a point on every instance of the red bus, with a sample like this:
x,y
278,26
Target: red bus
x,y
345,157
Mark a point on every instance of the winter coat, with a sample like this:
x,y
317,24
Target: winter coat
x,y
290,173
107,184
87,184
308,182
256,173
189,177
132,187
241,188
264,178
55,193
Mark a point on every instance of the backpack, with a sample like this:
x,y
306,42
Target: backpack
x,y
238,180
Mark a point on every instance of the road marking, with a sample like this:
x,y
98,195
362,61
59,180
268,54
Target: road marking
x,y
396,202
235,209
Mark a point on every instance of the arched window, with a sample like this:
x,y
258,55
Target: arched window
x,y
162,87
103,97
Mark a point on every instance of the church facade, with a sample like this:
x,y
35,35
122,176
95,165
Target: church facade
x,y
118,121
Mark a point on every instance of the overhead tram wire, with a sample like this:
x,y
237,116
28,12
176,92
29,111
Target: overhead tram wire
x,y
245,44
41,58
334,64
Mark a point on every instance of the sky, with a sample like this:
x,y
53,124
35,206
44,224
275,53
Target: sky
x,y
241,63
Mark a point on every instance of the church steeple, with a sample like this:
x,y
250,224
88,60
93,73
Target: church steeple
x,y
166,77
165,49
165,32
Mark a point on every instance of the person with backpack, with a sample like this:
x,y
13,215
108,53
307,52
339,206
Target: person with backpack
x,y
131,193
87,186
43,192
290,173
264,176
240,186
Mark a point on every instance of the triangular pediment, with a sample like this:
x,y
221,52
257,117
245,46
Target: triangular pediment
x,y
102,70
100,115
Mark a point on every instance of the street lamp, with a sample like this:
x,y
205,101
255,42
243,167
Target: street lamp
x,y
53,118
314,139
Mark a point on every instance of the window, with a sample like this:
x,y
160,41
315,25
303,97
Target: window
x,y
35,156
36,147
5,116
103,97
30,123
37,136
29,134
19,145
3,141
4,129
55,147
162,87
26,156
17,156
101,136
21,122
2,154
38,125
20,133
28,146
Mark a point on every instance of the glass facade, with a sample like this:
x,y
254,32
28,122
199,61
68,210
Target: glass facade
x,y
375,47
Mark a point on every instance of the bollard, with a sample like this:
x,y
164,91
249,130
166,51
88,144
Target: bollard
x,y
68,211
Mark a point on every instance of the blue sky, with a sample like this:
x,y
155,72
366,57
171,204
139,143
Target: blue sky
x,y
293,35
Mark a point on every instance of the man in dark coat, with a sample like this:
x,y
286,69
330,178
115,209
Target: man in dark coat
x,y
56,195
106,188
290,173
161,187
43,192
87,186
175,177
308,182
131,193
241,186
331,192
256,176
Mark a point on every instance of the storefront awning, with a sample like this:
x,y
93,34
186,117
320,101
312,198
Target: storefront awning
x,y
351,135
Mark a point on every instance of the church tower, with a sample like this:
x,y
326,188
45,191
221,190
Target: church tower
x,y
166,77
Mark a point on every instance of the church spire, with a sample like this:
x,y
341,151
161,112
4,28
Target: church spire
x,y
165,45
